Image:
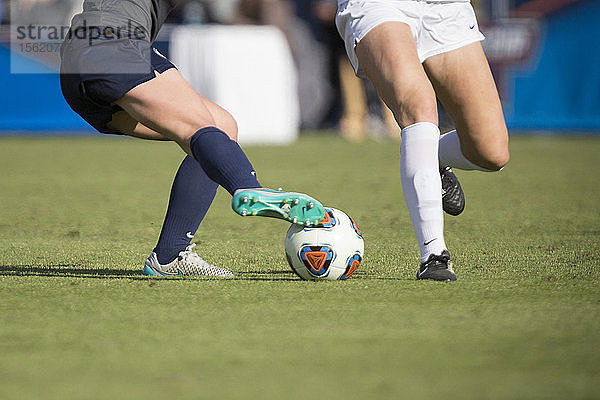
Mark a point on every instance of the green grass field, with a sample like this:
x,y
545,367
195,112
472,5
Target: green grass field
x,y
78,320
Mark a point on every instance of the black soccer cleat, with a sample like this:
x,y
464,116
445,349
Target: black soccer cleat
x,y
437,268
453,197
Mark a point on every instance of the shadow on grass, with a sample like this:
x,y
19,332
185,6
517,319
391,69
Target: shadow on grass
x,y
288,275
68,271
268,275
75,271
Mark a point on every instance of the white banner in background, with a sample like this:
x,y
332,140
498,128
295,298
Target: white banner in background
x,y
249,71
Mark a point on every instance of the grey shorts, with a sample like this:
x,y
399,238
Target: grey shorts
x,y
93,76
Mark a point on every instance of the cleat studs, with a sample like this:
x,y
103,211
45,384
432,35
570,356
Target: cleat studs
x,y
245,199
254,201
296,201
244,213
310,205
295,221
307,223
286,209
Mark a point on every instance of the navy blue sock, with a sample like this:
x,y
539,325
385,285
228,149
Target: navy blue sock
x,y
192,194
223,160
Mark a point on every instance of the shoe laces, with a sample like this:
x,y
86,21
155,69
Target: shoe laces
x,y
190,258
441,260
444,260
193,264
189,254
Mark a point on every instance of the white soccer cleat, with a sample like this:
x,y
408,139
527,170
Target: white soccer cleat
x,y
187,263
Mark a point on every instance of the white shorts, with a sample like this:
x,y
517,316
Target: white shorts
x,y
437,27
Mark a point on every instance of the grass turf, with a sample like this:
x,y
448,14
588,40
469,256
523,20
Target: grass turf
x,y
78,320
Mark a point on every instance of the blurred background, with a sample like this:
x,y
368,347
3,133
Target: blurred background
x,y
281,63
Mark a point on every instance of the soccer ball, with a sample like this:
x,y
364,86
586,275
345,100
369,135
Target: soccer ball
x,y
332,251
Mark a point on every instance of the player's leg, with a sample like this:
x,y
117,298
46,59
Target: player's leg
x,y
465,86
192,194
123,122
389,58
354,103
388,55
169,105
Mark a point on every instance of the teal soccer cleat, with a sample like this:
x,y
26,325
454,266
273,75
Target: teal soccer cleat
x,y
297,208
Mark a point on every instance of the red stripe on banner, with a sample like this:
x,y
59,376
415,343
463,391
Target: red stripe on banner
x,y
540,8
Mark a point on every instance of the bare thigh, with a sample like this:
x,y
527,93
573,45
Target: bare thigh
x,y
127,125
465,86
170,107
388,55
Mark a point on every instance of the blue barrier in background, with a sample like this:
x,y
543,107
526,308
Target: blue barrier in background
x,y
560,90
33,101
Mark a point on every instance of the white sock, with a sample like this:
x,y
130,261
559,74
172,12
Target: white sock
x,y
450,154
422,186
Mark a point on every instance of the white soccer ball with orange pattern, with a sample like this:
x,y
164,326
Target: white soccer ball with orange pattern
x,y
331,251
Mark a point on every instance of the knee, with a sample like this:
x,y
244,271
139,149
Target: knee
x,y
410,102
224,122
500,158
496,159
489,155
418,108
230,127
